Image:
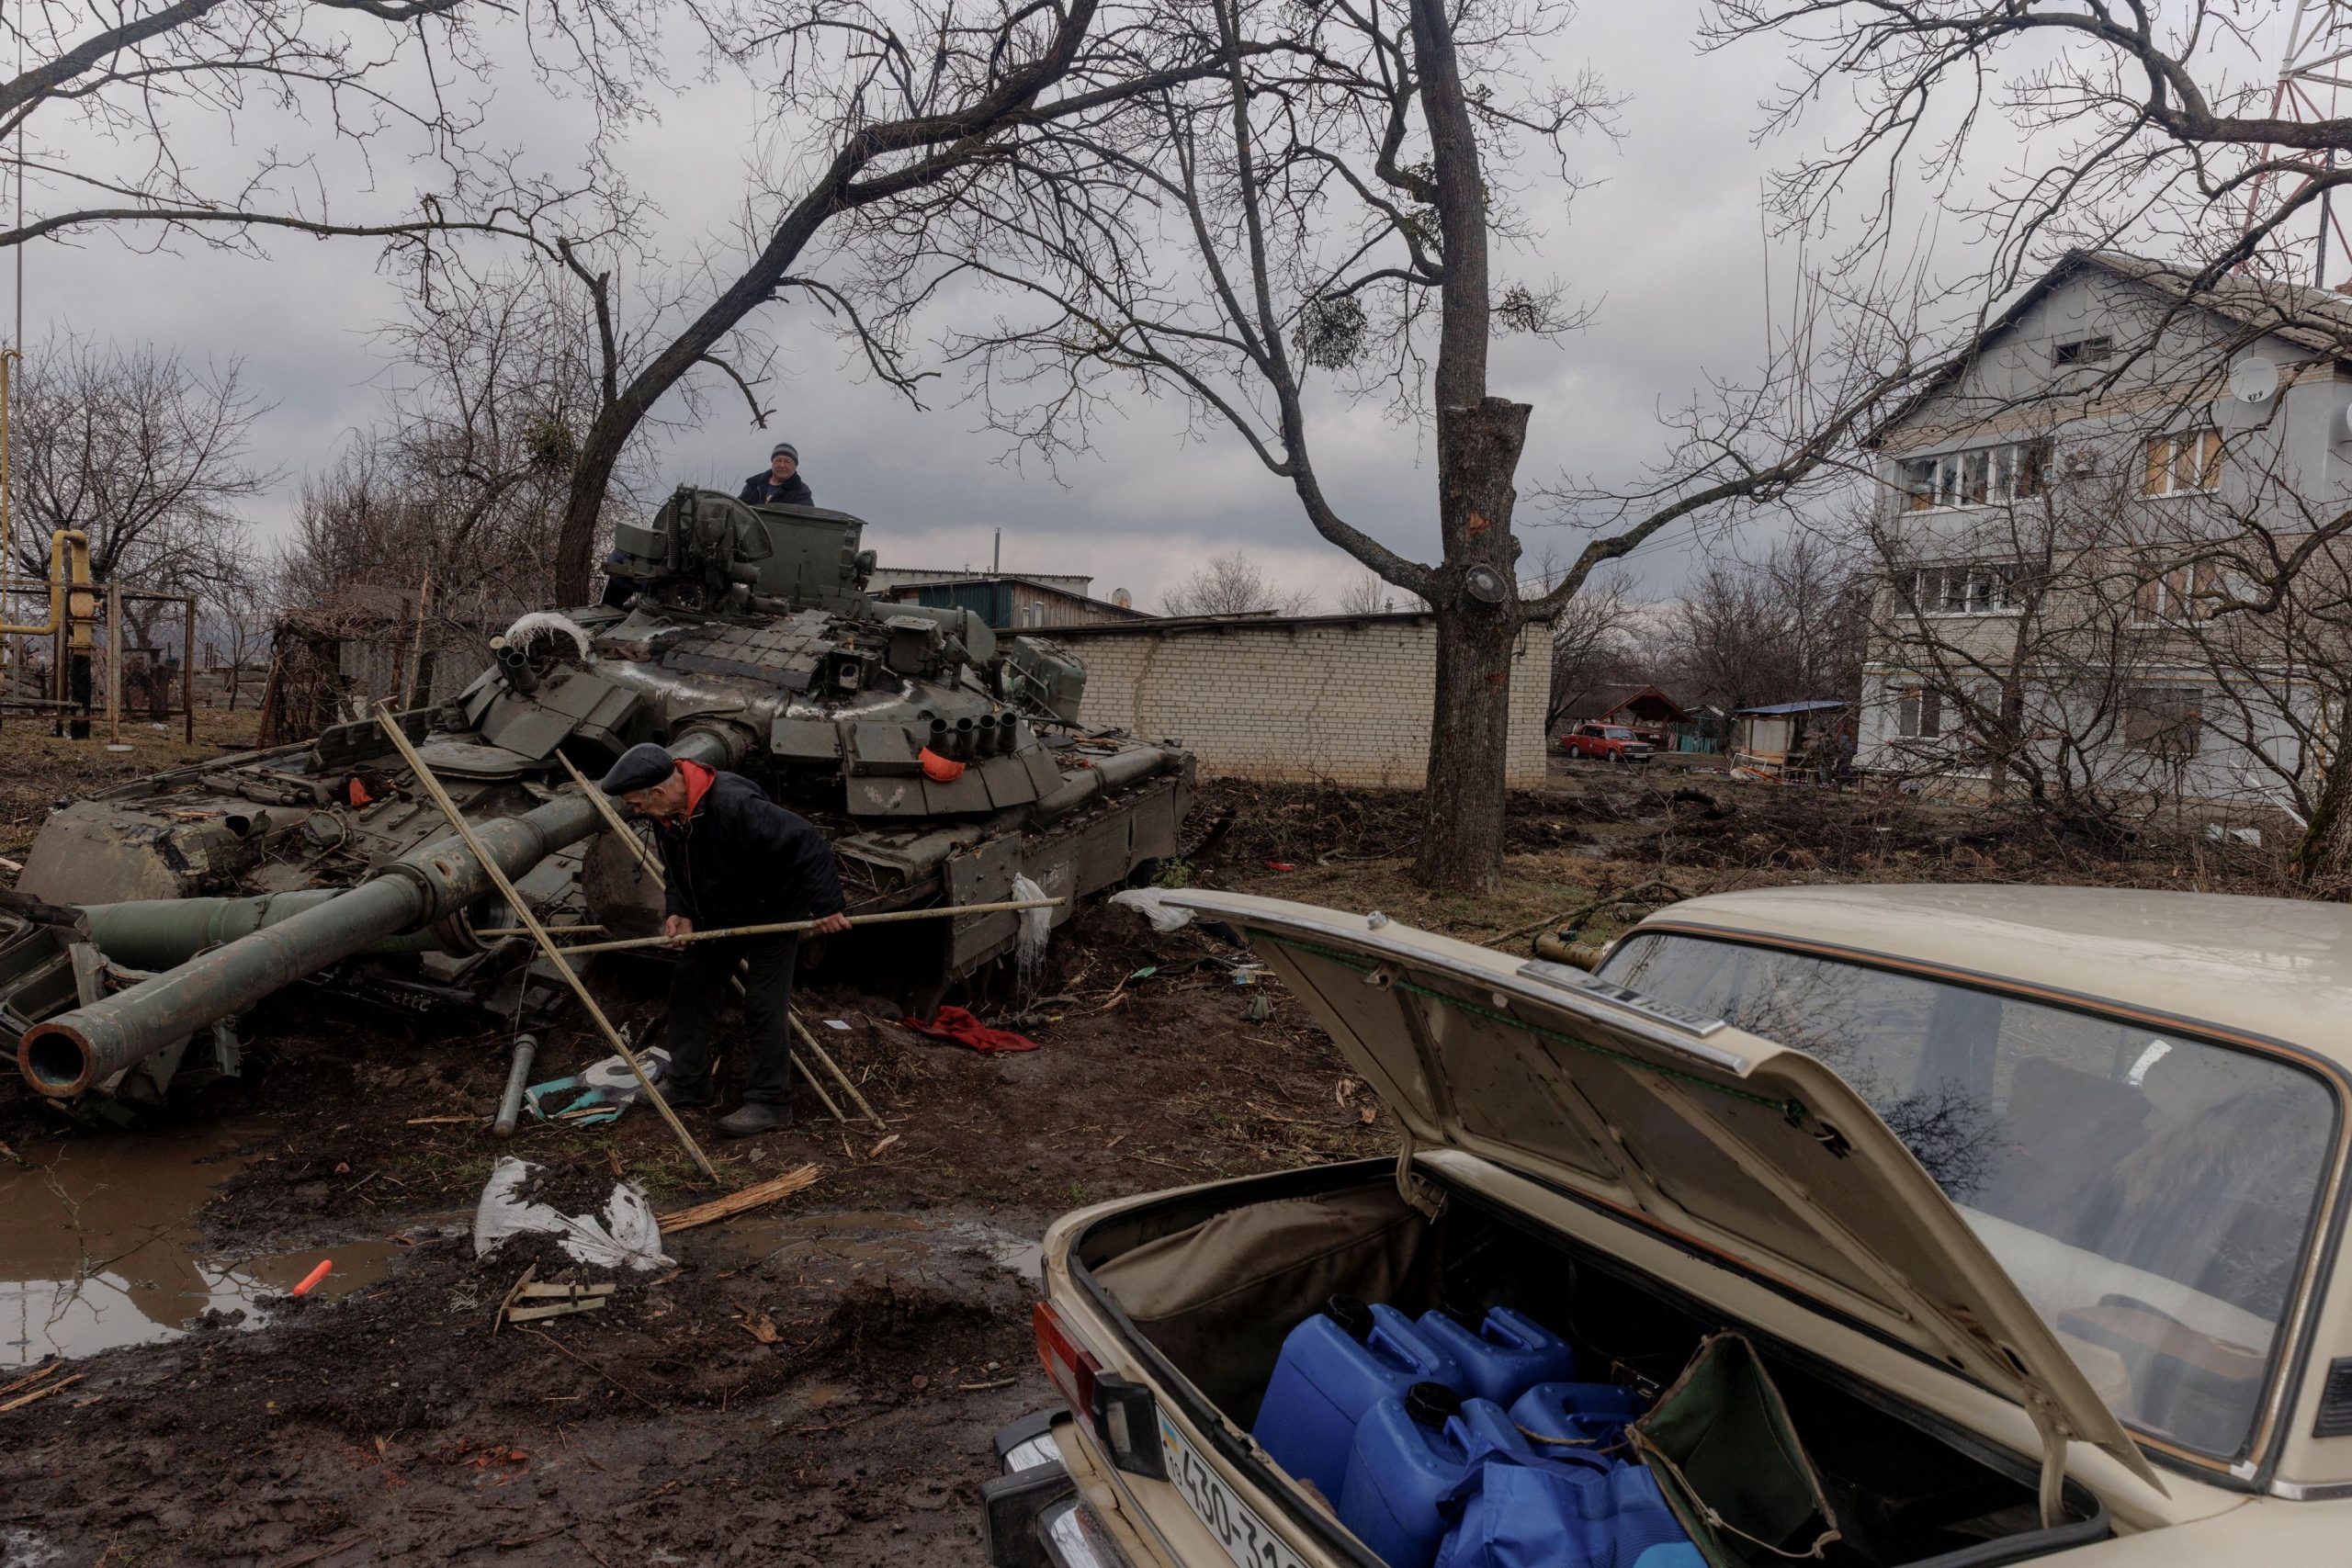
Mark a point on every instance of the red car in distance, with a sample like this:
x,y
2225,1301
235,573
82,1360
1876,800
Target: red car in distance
x,y
1607,742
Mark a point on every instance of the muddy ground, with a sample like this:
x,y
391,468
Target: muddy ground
x,y
816,1382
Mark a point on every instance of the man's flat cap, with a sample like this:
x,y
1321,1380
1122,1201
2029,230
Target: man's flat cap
x,y
640,767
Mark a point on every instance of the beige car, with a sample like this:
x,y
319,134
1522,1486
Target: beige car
x,y
2029,1198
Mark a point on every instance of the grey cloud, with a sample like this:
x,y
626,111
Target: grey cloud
x,y
1669,247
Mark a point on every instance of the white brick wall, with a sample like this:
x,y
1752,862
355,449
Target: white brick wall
x,y
1343,698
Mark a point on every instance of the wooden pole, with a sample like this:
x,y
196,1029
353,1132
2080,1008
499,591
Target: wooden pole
x,y
833,1067
546,943
645,857
416,648
188,675
940,913
114,667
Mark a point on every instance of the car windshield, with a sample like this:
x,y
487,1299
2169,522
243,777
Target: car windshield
x,y
2153,1195
1614,733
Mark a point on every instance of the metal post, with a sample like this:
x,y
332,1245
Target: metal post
x,y
114,667
518,1078
188,674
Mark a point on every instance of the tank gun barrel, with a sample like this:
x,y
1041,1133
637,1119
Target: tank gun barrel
x,y
1111,774
69,1054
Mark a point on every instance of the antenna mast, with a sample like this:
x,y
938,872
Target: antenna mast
x,y
2316,62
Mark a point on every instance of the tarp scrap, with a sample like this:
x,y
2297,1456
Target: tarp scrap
x,y
627,1234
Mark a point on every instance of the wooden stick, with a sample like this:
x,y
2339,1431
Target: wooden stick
x,y
800,1066
42,1392
754,1197
833,1067
775,928
525,930
612,820
815,1083
546,943
31,1378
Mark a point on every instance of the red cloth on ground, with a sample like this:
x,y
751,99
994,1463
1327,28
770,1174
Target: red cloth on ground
x,y
959,1025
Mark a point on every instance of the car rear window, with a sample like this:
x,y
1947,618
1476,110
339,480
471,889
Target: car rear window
x,y
2152,1194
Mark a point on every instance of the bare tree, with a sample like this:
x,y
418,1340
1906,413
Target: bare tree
x,y
142,452
1233,585
1595,639
1366,594
138,118
1787,626
238,617
888,102
444,517
2136,120
1315,221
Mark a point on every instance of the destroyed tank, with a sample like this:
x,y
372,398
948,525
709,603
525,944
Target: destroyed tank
x,y
946,761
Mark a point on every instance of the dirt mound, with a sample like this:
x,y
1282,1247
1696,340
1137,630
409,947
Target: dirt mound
x,y
1246,822
885,1328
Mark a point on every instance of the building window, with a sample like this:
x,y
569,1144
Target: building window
x,y
2185,464
1973,588
2164,721
1919,713
2084,351
1989,475
2184,593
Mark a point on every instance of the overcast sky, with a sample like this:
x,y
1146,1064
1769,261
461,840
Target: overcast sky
x,y
1668,251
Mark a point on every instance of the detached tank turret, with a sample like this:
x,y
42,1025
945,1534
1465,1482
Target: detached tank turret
x,y
943,760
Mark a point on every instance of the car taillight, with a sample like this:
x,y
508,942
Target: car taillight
x,y
1071,1366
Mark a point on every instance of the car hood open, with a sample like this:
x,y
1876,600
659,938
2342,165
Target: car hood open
x,y
1758,1154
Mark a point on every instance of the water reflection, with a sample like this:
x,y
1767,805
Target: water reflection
x,y
100,1244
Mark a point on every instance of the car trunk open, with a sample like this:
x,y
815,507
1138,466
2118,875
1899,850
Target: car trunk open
x,y
1207,1283
1724,1143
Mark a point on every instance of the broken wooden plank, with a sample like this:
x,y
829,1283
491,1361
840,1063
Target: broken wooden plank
x,y
557,1309
757,1196
513,1291
567,1291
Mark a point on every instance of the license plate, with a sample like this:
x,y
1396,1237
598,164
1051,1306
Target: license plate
x,y
1236,1527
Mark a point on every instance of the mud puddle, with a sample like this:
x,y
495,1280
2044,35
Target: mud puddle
x,y
101,1247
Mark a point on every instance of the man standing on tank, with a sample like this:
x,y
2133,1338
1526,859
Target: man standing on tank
x,y
782,484
729,857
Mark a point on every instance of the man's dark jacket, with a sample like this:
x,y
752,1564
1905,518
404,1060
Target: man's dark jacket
x,y
761,489
739,859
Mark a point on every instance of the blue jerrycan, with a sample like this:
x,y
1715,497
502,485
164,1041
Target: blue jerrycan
x,y
1333,1368
1504,1355
1553,1516
1576,1415
1409,1454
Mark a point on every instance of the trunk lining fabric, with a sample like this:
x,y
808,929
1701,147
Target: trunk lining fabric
x,y
1218,1297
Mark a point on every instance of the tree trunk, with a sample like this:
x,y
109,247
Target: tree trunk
x,y
2322,858
1462,824
1479,442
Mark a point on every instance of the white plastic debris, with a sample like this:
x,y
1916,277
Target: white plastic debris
x,y
627,1234
1152,904
1036,926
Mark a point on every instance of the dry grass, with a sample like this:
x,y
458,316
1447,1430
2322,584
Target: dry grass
x,y
38,768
